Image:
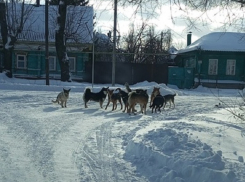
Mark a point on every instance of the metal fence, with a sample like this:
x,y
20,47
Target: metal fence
x,y
126,72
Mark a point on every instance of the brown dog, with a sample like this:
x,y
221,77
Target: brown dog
x,y
137,98
113,97
155,92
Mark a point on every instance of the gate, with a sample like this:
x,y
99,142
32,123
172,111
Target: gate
x,y
181,77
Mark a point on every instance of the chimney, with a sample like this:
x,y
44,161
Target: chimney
x,y
189,38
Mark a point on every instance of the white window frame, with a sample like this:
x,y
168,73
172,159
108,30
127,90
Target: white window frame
x,y
213,67
21,61
53,58
72,59
230,67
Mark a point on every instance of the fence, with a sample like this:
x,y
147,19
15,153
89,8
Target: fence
x,y
126,72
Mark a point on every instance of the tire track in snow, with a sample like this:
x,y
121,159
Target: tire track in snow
x,y
99,159
97,152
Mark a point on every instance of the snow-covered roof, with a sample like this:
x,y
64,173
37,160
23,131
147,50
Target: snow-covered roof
x,y
79,24
218,41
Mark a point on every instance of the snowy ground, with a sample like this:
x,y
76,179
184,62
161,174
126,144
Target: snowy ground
x,y
42,142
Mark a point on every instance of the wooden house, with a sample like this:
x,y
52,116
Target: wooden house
x,y
28,58
215,60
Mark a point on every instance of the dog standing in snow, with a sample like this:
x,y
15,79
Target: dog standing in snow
x,y
62,97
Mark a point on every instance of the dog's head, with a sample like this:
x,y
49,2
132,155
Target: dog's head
x,y
110,91
156,91
126,84
66,91
104,90
142,92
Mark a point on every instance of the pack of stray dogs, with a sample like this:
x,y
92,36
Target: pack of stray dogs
x,y
128,97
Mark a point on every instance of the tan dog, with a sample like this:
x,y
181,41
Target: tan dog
x,y
137,98
155,92
62,97
169,98
113,97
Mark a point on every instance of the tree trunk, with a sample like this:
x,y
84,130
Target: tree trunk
x,y
7,50
60,43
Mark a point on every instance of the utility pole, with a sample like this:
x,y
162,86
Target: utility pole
x,y
46,43
92,38
114,43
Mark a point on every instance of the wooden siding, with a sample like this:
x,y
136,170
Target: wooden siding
x,y
222,63
222,57
36,64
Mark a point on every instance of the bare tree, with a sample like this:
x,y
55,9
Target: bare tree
x,y
13,16
133,42
145,45
63,33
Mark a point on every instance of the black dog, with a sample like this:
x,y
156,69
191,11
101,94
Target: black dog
x,y
157,103
97,97
124,96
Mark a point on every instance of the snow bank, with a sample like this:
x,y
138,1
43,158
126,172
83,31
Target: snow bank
x,y
166,155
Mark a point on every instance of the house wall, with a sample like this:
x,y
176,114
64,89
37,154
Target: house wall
x,y
204,56
36,64
222,64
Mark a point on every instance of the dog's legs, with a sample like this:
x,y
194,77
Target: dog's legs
x,y
106,105
173,104
101,104
164,104
115,103
85,104
121,104
130,109
124,108
62,104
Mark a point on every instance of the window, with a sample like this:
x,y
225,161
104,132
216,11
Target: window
x,y
230,67
213,67
190,63
21,61
72,61
52,63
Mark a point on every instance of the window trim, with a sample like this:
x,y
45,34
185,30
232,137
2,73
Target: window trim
x,y
54,69
17,61
215,72
228,72
74,58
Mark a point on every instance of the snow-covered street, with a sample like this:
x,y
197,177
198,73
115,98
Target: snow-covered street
x,y
40,141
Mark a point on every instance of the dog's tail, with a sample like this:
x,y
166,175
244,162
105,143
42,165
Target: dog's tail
x,y
87,90
55,101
